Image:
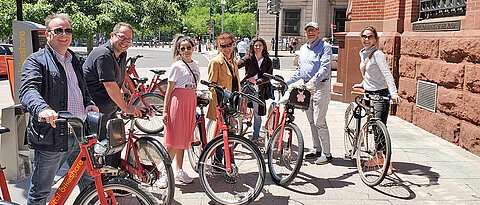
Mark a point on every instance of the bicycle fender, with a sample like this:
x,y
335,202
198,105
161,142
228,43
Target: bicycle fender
x,y
160,147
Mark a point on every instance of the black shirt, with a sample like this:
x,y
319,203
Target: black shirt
x,y
102,66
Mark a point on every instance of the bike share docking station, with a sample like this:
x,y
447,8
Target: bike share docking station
x,y
28,37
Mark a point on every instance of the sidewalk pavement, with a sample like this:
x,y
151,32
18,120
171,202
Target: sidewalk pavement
x,y
427,170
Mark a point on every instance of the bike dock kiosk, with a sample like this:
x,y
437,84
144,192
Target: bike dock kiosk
x,y
28,37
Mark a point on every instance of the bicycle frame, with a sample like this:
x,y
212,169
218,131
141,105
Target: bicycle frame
x,y
82,163
3,185
138,169
131,70
221,126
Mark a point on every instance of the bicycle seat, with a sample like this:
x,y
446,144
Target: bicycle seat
x,y
158,71
140,80
4,129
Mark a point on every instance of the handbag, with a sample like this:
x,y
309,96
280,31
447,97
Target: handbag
x,y
299,98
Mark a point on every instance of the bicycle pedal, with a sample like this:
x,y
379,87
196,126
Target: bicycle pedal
x,y
109,171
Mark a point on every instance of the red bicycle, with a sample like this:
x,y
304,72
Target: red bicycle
x,y
231,168
151,123
157,85
144,160
3,181
285,145
109,186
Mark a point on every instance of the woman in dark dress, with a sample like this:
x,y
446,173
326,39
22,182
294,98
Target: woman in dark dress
x,y
256,63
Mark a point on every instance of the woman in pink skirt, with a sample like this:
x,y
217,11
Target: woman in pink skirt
x,y
180,105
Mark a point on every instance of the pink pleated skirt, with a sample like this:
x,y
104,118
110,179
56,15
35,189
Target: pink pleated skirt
x,y
179,129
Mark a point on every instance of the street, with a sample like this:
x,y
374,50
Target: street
x,y
427,169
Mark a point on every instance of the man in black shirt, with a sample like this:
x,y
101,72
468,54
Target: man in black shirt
x,y
104,72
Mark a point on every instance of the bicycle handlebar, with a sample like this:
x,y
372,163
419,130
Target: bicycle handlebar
x,y
279,79
217,87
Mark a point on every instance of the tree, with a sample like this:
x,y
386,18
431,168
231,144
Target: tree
x,y
96,16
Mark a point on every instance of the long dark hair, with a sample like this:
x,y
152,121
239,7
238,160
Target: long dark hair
x,y
178,41
251,51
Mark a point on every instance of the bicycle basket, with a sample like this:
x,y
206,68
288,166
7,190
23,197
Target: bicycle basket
x,y
299,98
116,138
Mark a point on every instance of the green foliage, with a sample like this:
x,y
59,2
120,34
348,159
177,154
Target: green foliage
x,y
7,14
238,17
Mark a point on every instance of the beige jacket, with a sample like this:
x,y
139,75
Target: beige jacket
x,y
218,72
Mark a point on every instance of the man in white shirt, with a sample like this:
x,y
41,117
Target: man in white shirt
x,y
242,48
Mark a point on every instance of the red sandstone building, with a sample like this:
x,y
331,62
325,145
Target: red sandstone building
x,y
433,48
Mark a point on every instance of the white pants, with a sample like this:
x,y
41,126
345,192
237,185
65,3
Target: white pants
x,y
316,117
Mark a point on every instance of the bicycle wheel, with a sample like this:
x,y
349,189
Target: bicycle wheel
x,y
284,164
153,123
373,153
154,161
196,149
247,178
125,191
163,87
350,131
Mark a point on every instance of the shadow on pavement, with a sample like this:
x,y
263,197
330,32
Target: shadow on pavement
x,y
405,176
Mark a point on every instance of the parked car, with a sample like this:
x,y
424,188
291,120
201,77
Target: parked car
x,y
334,57
6,52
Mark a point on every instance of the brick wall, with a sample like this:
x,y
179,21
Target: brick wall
x,y
364,10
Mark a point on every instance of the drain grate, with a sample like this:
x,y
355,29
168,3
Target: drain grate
x,y
427,95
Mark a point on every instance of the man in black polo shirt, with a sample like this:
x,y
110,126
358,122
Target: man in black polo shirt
x,y
104,72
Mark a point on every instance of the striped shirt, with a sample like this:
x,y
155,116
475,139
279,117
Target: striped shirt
x,y
75,99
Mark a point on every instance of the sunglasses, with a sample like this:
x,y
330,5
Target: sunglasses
x,y
368,37
227,45
58,31
123,38
187,48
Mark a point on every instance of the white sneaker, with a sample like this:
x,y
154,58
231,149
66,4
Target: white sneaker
x,y
163,182
183,177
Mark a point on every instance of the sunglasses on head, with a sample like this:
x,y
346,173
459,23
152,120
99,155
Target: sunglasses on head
x,y
183,48
57,31
227,45
368,37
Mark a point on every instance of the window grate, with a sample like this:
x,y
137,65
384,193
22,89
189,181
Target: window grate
x,y
442,8
427,95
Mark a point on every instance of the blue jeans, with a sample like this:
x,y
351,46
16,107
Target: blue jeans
x,y
45,167
257,120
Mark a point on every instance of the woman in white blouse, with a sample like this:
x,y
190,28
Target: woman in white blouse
x,y
180,105
377,79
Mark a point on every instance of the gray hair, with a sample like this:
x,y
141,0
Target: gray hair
x,y
117,26
61,16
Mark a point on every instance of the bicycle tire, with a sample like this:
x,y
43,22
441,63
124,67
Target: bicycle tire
x,y
247,180
131,193
163,86
350,131
280,164
194,152
150,153
153,123
368,152
270,124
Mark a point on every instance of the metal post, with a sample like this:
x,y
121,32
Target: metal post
x,y
276,61
223,10
209,14
19,10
